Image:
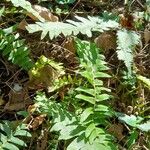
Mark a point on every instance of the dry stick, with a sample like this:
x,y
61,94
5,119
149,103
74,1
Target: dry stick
x,y
13,75
5,66
140,4
72,10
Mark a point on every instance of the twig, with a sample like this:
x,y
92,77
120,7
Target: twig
x,y
140,4
72,10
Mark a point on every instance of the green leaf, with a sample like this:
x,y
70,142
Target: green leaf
x,y
3,138
102,97
101,108
6,127
22,133
130,120
77,144
102,75
145,126
132,138
10,146
86,98
17,141
89,130
86,90
93,136
86,113
66,132
23,113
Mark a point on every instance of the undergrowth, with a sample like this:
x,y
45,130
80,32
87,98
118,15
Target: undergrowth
x,y
77,108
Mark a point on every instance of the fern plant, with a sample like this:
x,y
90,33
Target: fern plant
x,y
10,138
87,124
15,49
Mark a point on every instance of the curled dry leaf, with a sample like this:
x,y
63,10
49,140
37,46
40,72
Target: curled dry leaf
x,y
106,41
44,13
127,20
37,121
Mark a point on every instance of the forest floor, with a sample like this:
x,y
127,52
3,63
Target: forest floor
x,y
18,87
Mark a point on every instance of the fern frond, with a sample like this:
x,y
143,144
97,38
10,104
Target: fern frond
x,y
10,139
15,50
127,40
83,25
83,124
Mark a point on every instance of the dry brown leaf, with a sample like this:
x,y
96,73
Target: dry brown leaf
x,y
117,131
44,13
106,41
37,121
17,100
22,25
127,20
46,76
70,45
147,35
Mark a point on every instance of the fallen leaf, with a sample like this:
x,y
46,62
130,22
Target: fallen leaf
x,y
17,100
70,45
106,41
37,121
22,25
44,13
44,73
117,131
127,20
